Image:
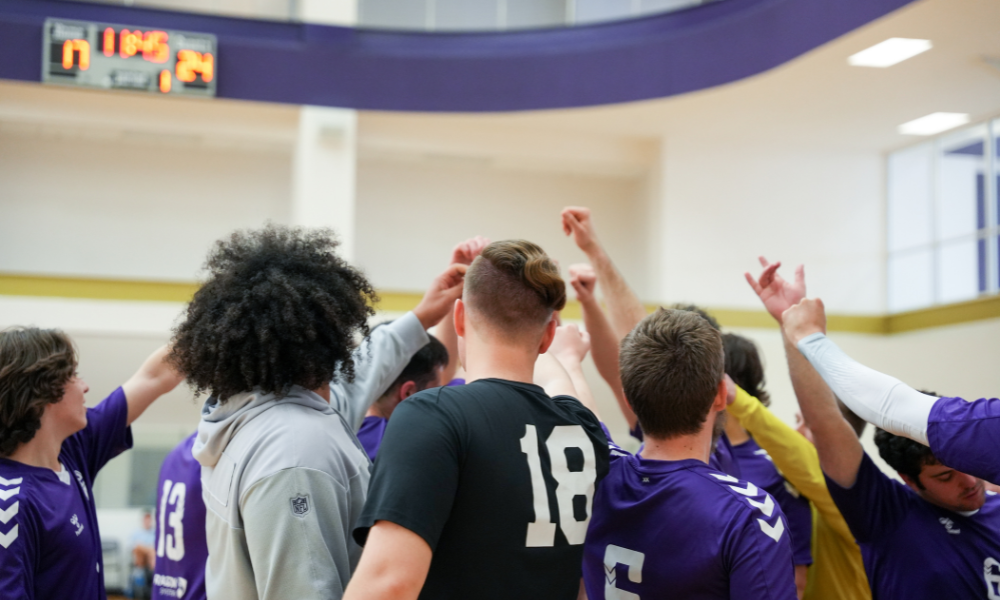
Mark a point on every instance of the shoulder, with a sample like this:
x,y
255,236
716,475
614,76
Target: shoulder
x,y
296,437
746,503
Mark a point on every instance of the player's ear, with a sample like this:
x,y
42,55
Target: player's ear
x,y
909,481
407,389
549,335
721,397
459,316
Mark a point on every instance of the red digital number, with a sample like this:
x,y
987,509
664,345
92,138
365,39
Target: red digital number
x,y
109,42
190,64
154,47
165,81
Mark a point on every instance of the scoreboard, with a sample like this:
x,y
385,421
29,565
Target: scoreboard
x,y
120,57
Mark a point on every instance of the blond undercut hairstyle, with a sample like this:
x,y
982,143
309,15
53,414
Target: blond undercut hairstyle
x,y
515,287
671,366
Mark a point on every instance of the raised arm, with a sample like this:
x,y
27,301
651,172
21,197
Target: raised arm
x,y
384,354
603,341
623,305
154,378
569,348
838,447
875,397
462,254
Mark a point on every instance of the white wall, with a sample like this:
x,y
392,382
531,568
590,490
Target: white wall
x,y
724,205
410,213
128,208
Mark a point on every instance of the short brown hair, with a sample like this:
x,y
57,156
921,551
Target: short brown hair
x,y
35,366
514,286
671,366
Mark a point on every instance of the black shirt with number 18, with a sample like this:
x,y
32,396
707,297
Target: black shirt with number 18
x,y
499,479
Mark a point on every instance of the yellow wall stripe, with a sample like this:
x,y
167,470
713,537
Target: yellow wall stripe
x,y
165,291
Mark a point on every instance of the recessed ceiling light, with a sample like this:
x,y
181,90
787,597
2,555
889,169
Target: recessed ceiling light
x,y
933,123
889,52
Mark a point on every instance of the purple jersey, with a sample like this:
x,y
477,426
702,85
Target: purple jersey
x,y
966,436
756,466
370,435
681,529
914,549
50,546
181,549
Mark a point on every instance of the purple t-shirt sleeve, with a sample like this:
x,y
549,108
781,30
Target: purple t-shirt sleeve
x,y
18,558
966,436
106,435
874,506
761,565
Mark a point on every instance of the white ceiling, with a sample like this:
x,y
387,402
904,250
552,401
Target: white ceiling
x,y
815,100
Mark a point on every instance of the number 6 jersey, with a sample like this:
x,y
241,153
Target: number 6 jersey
x,y
499,479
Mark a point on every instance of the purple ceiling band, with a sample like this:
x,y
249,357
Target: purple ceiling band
x,y
622,61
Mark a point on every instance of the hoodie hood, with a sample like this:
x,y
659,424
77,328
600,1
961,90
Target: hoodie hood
x,y
221,422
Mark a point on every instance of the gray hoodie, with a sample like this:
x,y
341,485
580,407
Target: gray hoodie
x,y
284,480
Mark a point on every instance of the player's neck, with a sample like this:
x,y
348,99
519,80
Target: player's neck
x,y
500,361
735,432
41,451
697,446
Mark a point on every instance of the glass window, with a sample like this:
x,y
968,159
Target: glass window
x,y
535,13
657,6
595,11
910,281
961,190
392,14
465,15
958,270
910,206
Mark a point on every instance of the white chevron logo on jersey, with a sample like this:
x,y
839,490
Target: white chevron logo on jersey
x,y
726,478
6,539
750,490
766,507
10,513
6,494
10,481
774,532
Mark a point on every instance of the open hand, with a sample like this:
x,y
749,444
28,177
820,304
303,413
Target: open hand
x,y
777,294
584,281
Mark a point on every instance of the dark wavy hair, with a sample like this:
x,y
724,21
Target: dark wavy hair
x,y
35,366
280,308
744,365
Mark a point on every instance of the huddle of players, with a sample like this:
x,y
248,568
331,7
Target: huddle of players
x,y
502,487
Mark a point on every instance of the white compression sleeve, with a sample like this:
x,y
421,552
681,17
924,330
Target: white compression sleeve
x,y
875,397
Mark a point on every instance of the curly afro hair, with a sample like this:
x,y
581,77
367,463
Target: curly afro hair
x,y
280,308
35,366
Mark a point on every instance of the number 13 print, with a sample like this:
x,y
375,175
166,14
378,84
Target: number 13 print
x,y
569,484
174,496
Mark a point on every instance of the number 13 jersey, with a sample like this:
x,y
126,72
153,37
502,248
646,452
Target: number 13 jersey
x,y
499,479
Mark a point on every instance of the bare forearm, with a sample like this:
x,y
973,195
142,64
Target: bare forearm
x,y
154,378
604,349
839,449
575,371
551,376
445,333
393,566
624,306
